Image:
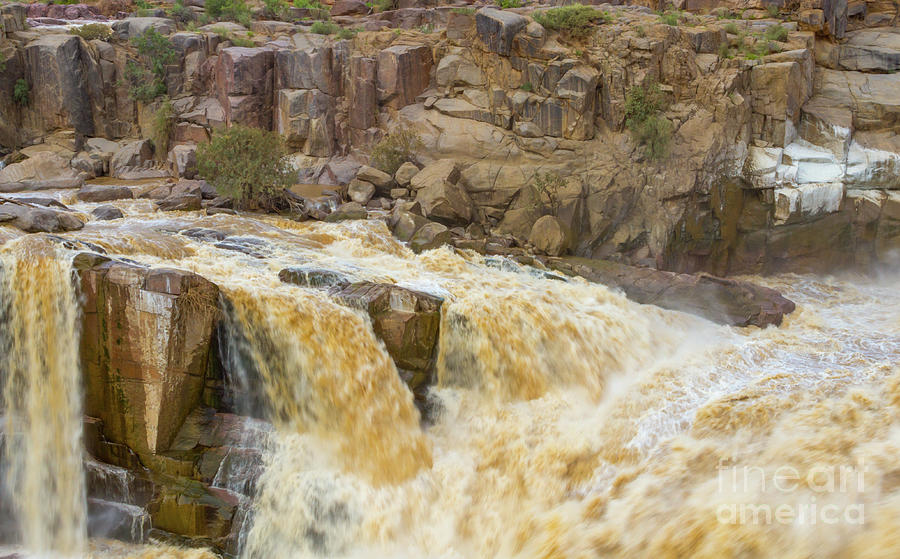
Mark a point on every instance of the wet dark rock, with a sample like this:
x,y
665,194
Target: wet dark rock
x,y
180,202
430,236
347,211
726,301
41,201
407,322
105,213
313,277
248,245
204,234
39,220
104,193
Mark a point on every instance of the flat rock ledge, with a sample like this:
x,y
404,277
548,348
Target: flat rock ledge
x,y
722,300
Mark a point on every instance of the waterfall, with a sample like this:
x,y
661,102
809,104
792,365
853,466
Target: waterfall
x,y
41,397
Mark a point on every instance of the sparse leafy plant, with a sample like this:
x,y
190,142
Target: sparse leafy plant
x,y
776,32
651,129
773,10
140,4
147,79
731,28
162,125
346,34
324,28
245,42
640,31
248,164
91,31
394,150
526,86
426,28
669,19
463,11
548,186
507,4
231,10
276,9
21,92
575,20
181,13
385,5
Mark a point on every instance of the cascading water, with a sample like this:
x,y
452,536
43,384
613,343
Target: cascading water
x,y
567,421
41,397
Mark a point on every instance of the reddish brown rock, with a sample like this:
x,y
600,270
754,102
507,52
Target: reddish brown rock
x,y
403,73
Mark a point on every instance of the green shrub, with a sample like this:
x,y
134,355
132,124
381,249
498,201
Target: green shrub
x,y
347,33
526,86
669,19
66,2
575,20
324,28
776,32
773,10
315,8
21,92
162,126
248,164
394,150
92,31
245,42
724,51
181,13
141,5
276,9
640,31
230,10
642,116
146,79
464,11
507,4
384,5
731,28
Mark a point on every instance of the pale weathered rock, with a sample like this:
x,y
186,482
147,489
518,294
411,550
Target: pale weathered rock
x,y
133,154
360,191
438,171
44,169
180,202
440,195
429,236
405,173
380,179
404,224
131,27
183,161
550,236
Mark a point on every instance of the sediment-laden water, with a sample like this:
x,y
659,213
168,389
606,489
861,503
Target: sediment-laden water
x,y
569,422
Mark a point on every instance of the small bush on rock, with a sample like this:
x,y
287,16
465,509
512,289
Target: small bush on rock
x,y
181,13
324,28
575,20
548,186
231,10
146,79
394,150
92,31
248,164
276,9
163,123
21,92
776,32
507,4
643,106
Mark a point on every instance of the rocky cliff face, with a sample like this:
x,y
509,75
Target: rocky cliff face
x,y
778,161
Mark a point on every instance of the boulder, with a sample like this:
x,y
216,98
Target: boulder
x,y
363,94
405,173
380,179
407,321
245,84
497,28
104,193
131,27
313,277
31,219
403,73
360,191
440,195
144,348
550,236
726,301
133,154
45,169
106,212
347,211
348,8
871,50
183,161
180,202
404,224
430,236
